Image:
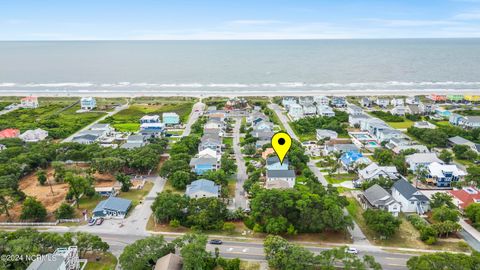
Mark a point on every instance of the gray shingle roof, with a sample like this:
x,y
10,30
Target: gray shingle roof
x,y
274,159
280,173
376,195
408,191
202,160
458,140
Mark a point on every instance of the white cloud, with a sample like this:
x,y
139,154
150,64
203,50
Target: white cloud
x,y
253,22
468,16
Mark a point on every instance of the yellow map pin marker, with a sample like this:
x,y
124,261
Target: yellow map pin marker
x,y
281,143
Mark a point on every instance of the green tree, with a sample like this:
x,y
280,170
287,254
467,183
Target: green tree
x,y
440,199
194,254
381,222
383,156
143,254
180,179
473,213
7,201
108,164
206,213
87,242
60,171
41,177
33,210
444,213
65,211
168,206
443,260
473,175
125,181
78,186
446,156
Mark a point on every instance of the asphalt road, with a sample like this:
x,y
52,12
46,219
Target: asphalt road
x,y
197,111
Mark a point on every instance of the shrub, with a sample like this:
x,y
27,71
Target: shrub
x,y
65,211
174,223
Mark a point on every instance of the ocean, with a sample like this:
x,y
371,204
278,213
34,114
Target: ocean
x,y
288,66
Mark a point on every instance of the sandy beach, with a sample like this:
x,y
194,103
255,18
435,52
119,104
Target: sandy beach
x,y
227,93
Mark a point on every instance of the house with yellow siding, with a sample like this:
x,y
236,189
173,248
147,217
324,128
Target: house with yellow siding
x,y
473,98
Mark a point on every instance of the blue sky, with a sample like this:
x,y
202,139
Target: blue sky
x,y
244,19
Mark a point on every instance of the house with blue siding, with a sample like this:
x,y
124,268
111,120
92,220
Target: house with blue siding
x,y
273,163
442,175
88,103
171,118
201,165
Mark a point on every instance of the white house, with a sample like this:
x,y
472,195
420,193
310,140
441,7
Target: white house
x,y
378,198
62,259
354,120
321,100
30,102
88,103
34,135
424,124
374,171
382,102
309,109
397,102
326,133
150,119
325,111
398,110
442,175
421,159
411,199
288,101
280,179
412,100
295,111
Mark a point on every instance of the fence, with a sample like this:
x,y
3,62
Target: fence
x,y
32,224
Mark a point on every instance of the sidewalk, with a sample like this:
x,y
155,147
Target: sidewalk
x,y
469,229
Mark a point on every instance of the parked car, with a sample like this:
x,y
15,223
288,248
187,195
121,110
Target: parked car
x,y
216,242
92,221
352,250
99,221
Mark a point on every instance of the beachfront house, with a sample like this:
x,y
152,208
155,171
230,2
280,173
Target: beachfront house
x,y
325,111
113,207
382,102
288,101
321,100
305,100
442,175
378,198
34,135
29,102
412,109
412,100
472,98
365,102
397,102
295,111
339,102
323,134
437,97
455,98
88,103
280,179
202,188
411,199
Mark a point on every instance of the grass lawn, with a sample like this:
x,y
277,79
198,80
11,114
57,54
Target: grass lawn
x,y
441,123
464,162
401,125
128,119
89,203
339,178
406,237
231,187
249,265
53,118
228,141
136,195
107,262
